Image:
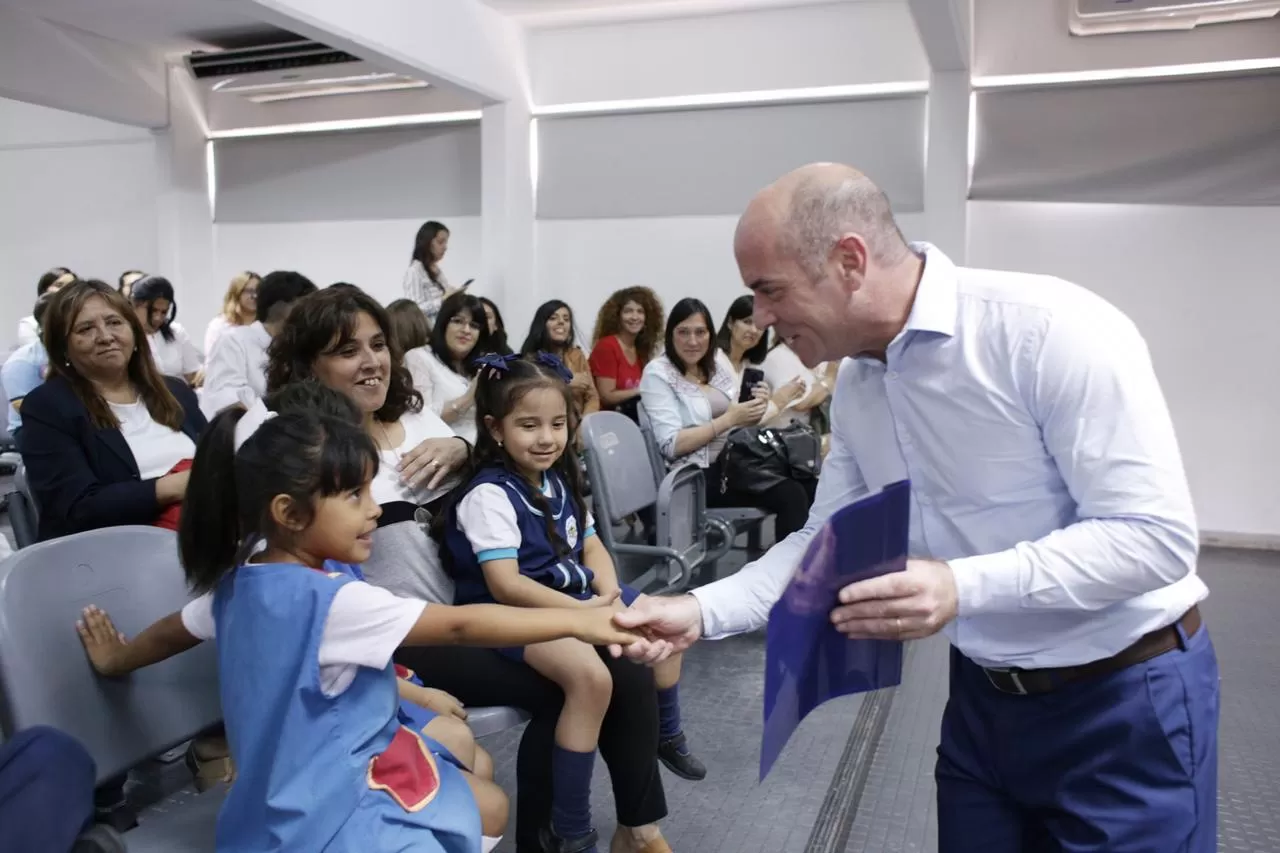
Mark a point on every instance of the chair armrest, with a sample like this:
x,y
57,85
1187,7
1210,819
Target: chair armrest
x,y
727,534
686,571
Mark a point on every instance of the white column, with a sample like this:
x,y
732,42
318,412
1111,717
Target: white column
x,y
507,212
186,246
946,181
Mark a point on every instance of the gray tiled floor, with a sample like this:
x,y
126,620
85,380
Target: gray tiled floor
x,y
897,812
730,811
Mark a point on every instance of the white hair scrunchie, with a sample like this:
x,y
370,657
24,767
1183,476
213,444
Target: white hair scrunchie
x,y
256,415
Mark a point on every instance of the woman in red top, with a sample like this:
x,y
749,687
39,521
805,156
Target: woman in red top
x,y
627,328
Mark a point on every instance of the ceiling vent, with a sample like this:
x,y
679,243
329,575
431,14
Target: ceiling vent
x,y
290,71
1099,17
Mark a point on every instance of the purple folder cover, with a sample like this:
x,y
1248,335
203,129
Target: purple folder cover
x,y
807,661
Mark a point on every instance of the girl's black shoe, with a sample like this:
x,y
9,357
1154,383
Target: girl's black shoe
x,y
674,753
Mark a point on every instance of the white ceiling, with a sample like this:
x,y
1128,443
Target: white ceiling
x,y
166,25
173,26
568,12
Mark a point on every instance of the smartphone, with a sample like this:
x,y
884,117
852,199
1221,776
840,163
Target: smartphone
x,y
751,377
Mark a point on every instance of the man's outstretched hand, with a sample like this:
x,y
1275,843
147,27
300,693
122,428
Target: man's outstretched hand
x,y
669,625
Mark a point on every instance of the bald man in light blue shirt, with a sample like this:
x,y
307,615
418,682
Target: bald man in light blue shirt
x,y
1053,538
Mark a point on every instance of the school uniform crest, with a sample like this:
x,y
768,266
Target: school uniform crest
x,y
571,530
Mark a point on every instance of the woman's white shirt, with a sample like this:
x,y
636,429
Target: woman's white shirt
x,y
155,447
28,330
674,403
388,486
178,357
418,362
214,330
780,366
439,385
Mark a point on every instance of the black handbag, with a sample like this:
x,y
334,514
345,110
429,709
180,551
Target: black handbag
x,y
755,459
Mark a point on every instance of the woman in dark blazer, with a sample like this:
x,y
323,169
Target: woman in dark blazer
x,y
106,440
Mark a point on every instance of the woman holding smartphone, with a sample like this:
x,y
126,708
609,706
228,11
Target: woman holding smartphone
x,y
424,282
691,396
746,346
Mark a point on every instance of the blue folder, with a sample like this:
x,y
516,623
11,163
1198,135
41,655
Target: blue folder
x,y
807,661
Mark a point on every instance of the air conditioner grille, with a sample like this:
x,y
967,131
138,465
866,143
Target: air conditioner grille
x,y
274,58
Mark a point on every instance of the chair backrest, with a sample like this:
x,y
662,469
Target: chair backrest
x,y
133,574
682,512
618,465
656,462
20,483
6,440
22,518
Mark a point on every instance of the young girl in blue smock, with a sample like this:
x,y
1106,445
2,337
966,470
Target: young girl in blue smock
x,y
309,693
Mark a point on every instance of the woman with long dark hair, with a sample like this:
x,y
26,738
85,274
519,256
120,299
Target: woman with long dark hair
x,y
690,394
748,346
497,327
461,333
171,346
553,331
424,283
106,439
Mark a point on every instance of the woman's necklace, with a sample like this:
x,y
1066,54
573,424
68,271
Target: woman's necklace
x,y
386,439
421,515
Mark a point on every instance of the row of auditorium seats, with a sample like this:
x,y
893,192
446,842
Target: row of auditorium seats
x,y
627,475
744,519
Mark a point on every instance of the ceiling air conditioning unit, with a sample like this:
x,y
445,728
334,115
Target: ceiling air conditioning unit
x,y
291,70
1098,17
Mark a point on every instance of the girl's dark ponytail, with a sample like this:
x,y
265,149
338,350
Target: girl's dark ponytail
x,y
209,531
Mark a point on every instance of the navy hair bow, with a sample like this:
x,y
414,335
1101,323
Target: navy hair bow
x,y
546,359
494,364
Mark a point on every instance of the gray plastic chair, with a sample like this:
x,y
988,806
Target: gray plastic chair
x,y
490,721
731,520
24,517
622,483
45,678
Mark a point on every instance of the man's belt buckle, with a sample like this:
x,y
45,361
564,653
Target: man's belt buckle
x,y
1012,676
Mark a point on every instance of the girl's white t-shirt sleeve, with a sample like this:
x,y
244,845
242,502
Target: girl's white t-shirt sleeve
x,y
366,625
487,519
197,617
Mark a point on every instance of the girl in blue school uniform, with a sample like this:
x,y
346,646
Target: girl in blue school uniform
x,y
519,533
309,693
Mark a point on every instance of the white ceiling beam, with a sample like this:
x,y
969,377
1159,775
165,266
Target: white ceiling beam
x,y
946,31
58,66
538,16
462,44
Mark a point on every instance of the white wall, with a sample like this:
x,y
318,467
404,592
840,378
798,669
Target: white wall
x,y
840,43
582,261
77,192
370,253
1021,37
1203,287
